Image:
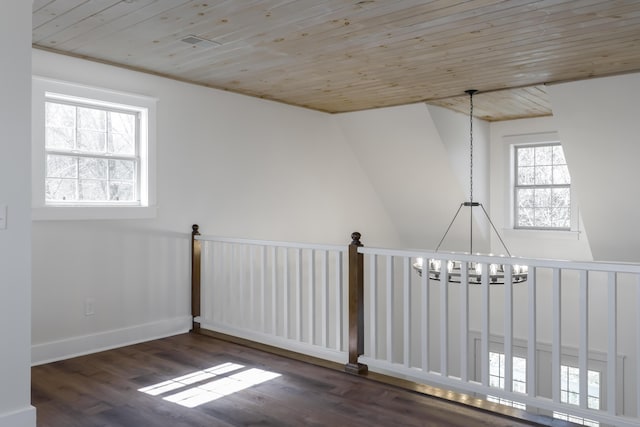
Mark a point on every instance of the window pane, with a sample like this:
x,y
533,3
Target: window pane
x,y
526,217
561,175
62,166
558,155
561,217
560,197
526,175
542,217
122,170
525,198
93,168
91,141
60,115
542,197
543,156
543,175
122,144
93,190
62,138
519,369
525,156
91,119
58,189
121,191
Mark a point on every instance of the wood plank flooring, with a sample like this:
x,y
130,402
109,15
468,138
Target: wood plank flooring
x,y
102,389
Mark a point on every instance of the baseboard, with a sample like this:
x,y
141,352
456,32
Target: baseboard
x,y
25,417
78,346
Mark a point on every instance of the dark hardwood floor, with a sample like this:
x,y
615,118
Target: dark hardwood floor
x,y
102,389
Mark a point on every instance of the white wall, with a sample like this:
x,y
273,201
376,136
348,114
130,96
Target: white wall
x,y
527,243
599,127
238,166
15,241
416,169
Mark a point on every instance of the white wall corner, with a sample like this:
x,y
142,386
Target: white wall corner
x,y
86,344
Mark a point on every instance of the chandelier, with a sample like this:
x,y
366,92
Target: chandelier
x,y
474,270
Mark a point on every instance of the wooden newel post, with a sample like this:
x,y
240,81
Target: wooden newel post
x,y
195,278
356,307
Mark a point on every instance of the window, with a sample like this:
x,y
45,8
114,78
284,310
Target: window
x,y
496,378
93,152
570,393
542,190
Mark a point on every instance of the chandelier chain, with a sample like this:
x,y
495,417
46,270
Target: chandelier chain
x,y
471,147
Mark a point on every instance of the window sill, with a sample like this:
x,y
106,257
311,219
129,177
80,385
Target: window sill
x,y
541,234
75,213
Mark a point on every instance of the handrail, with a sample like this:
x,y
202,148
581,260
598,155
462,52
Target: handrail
x,y
489,259
282,244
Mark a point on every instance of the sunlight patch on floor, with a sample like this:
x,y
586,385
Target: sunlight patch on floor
x,y
192,395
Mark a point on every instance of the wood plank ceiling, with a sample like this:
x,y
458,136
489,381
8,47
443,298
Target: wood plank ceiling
x,y
349,55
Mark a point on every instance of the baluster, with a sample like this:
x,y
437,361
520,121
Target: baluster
x,y
373,304
425,315
556,341
407,311
312,296
508,329
389,308
464,320
484,344
612,345
583,350
444,319
532,355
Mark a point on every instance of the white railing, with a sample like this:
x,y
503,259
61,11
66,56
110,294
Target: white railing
x,y
283,294
585,315
389,318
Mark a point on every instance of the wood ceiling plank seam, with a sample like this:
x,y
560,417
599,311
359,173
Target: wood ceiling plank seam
x,y
338,37
250,30
93,22
73,17
136,18
557,43
547,49
39,4
53,11
496,32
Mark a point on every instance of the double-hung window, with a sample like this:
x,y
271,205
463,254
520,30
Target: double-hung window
x,y
93,152
542,190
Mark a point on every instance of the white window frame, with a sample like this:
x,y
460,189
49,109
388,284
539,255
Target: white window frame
x,y
543,138
75,93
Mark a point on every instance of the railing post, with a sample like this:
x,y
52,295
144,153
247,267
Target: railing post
x,y
356,307
195,278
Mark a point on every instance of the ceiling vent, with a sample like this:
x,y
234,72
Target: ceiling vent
x,y
200,42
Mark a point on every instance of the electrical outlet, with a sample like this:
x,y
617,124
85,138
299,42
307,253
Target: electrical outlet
x,y
89,306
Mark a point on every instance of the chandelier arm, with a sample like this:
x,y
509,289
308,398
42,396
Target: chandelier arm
x,y
495,230
449,227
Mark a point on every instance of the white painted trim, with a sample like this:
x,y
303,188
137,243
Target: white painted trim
x,y
57,213
145,105
276,341
25,417
86,344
